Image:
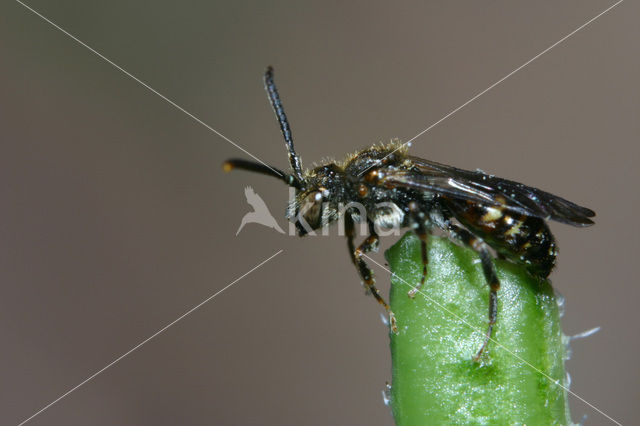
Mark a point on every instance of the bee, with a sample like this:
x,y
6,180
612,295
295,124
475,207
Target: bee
x,y
387,188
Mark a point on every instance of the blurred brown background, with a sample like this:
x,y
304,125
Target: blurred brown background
x,y
116,217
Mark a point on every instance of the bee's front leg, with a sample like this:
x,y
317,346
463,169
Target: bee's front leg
x,y
477,244
366,274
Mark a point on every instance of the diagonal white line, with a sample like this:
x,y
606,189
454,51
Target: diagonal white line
x,y
118,67
147,339
518,357
497,82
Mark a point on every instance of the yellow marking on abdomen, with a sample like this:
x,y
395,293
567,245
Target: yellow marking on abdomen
x,y
515,228
492,214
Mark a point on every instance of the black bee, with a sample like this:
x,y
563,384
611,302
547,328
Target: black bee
x,y
388,188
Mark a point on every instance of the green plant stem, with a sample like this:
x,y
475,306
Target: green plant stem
x,y
435,380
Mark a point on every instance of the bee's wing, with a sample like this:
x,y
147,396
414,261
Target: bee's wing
x,y
451,182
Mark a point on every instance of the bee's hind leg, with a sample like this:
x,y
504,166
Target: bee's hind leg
x,y
477,244
366,274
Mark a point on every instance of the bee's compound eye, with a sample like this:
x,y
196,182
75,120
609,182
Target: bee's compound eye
x,y
309,216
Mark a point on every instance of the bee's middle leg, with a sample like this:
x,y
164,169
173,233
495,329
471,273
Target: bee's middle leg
x,y
470,240
422,233
366,274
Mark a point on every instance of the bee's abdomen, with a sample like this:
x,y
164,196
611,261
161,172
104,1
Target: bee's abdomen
x,y
520,238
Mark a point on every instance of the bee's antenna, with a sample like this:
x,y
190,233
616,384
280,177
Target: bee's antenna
x,y
272,91
252,166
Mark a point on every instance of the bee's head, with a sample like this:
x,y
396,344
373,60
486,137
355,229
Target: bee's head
x,y
316,205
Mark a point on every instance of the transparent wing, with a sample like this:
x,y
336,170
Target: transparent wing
x,y
451,182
